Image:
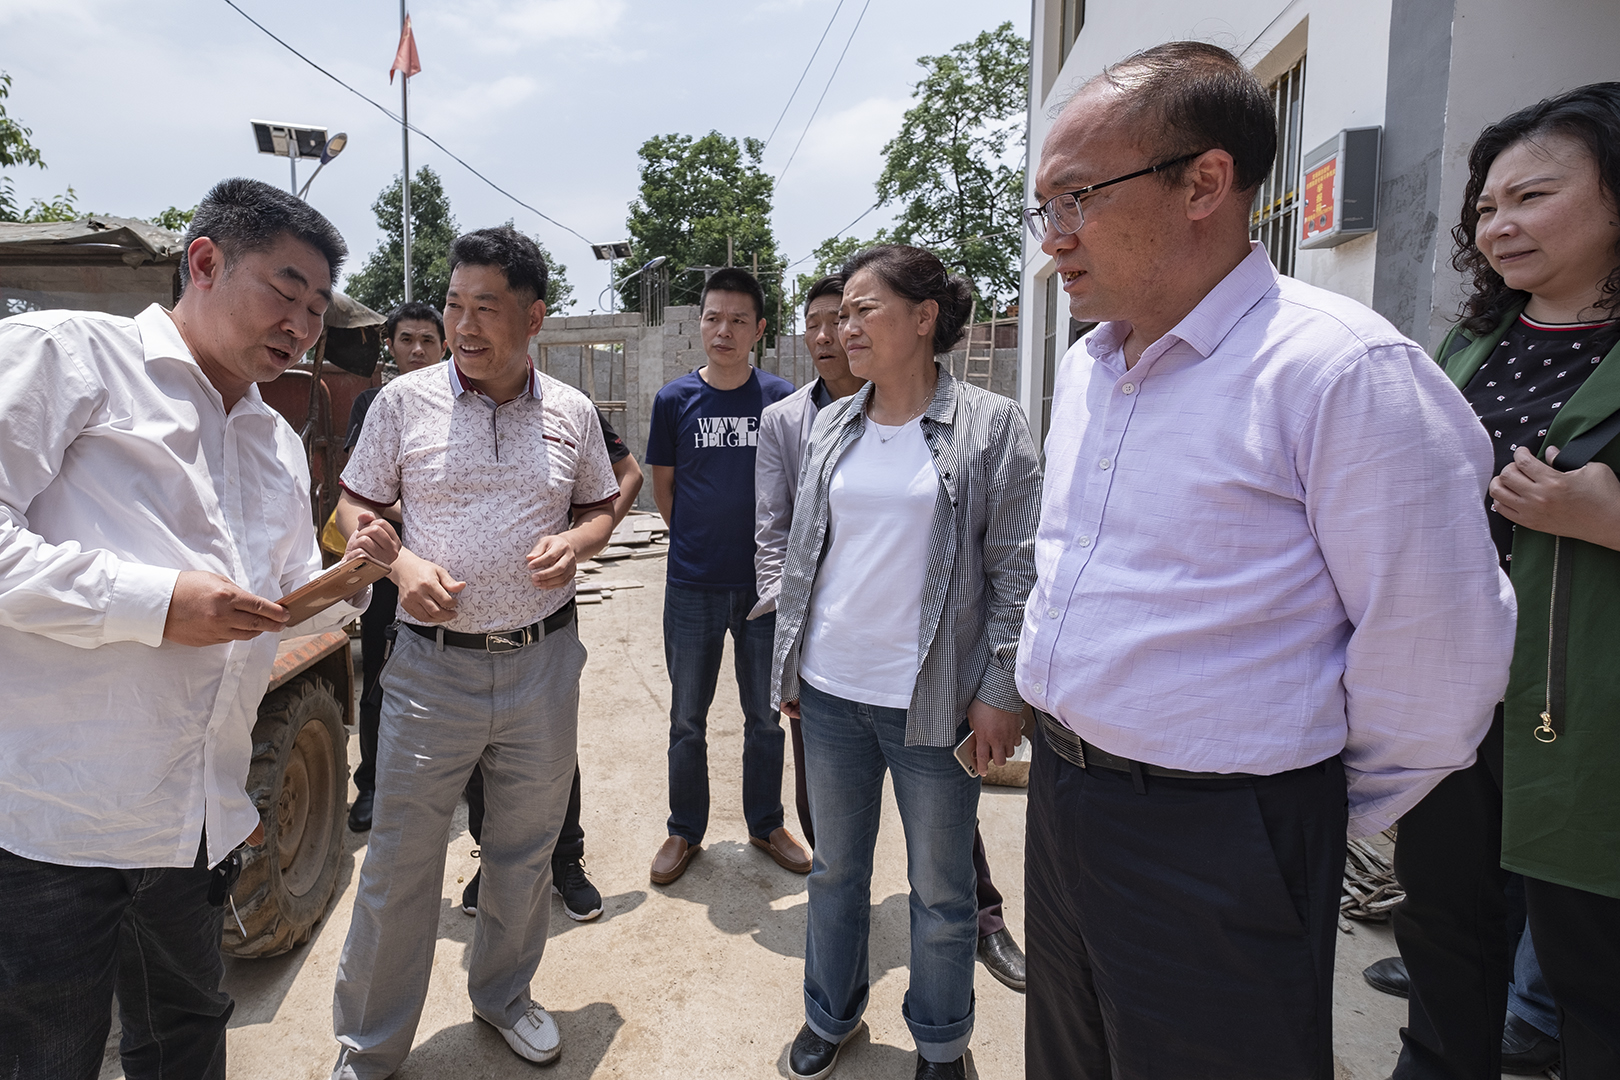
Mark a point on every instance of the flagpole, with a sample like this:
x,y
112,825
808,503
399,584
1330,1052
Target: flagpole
x,y
405,140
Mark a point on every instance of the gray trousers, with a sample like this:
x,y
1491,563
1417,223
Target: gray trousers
x,y
445,710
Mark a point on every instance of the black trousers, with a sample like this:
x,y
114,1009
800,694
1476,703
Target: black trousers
x,y
1453,926
1577,936
570,842
374,621
72,936
1183,933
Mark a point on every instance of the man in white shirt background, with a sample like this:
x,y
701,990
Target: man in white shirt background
x,y
150,502
1267,603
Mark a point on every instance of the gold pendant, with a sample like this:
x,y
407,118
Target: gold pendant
x,y
1547,728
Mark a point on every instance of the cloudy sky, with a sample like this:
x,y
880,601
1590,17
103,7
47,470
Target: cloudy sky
x,y
140,104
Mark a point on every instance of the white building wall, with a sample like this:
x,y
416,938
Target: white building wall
x,y
1505,55
1457,65
1346,46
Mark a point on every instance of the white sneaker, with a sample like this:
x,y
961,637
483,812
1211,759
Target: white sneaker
x,y
534,1037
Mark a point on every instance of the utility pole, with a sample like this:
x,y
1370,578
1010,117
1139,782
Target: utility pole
x,y
405,180
728,251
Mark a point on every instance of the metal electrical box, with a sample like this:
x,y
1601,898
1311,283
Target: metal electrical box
x,y
1339,182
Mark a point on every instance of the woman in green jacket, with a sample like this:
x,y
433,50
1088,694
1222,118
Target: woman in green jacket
x,y
1537,354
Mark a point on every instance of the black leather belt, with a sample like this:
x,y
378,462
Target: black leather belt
x,y
1076,751
503,640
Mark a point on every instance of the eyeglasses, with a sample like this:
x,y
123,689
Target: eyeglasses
x,y
1062,213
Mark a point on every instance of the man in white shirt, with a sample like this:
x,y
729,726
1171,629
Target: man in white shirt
x,y
489,460
150,503
1267,603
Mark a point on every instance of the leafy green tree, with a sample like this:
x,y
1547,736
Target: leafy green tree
x,y
696,193
17,149
174,219
380,284
951,168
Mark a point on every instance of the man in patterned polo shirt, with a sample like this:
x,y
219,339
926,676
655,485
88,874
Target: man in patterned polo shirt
x,y
488,458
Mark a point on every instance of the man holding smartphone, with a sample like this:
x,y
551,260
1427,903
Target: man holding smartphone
x,y
150,504
488,459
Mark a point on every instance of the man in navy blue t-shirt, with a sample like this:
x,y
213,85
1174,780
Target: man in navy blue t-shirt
x,y
705,427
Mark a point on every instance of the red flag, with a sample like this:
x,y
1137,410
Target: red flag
x,y
406,60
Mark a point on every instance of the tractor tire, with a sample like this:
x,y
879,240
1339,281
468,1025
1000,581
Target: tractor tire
x,y
299,780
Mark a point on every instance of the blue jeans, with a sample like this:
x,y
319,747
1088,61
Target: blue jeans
x,y
72,935
695,625
1528,997
847,747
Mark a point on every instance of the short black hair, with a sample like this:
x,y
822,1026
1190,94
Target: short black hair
x,y
241,215
510,252
413,309
1192,97
831,285
1590,115
918,275
734,279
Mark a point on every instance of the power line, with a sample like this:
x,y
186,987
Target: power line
x,y
835,235
813,54
395,117
824,90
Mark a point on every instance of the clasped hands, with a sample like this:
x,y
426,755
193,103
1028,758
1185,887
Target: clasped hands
x,y
207,609
1583,504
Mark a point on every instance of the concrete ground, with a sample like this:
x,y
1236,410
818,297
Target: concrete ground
x,y
701,978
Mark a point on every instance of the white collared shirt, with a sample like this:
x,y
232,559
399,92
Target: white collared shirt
x,y
479,483
1264,544
118,469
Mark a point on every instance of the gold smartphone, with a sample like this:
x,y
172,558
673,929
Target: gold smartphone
x,y
342,581
966,754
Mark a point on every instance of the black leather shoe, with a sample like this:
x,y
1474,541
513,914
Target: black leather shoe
x,y
1526,1049
941,1070
360,812
1000,954
813,1057
1389,976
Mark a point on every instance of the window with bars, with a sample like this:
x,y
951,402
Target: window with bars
x,y
1274,219
1071,17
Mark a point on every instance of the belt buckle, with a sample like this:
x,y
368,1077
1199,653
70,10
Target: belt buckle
x,y
510,641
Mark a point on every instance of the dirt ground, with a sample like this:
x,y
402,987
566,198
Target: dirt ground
x,y
701,978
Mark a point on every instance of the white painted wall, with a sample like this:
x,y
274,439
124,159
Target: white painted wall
x,y
1347,46
1505,55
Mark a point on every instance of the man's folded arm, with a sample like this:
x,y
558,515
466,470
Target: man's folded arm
x,y
79,596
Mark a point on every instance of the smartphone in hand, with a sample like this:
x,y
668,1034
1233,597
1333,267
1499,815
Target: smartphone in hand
x,y
967,754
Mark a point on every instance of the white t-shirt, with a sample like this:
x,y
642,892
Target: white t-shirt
x,y
866,609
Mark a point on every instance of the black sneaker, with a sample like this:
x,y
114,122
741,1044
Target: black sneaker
x,y
580,898
469,896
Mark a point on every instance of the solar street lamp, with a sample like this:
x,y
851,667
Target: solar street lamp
x,y
610,253
295,141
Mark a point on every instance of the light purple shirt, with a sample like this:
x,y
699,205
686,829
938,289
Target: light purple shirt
x,y
1265,544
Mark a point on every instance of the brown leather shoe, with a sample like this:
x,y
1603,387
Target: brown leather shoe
x,y
786,850
670,862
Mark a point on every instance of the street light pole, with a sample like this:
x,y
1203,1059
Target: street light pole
x,y
405,180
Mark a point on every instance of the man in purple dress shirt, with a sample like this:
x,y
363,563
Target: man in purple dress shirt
x,y
1268,606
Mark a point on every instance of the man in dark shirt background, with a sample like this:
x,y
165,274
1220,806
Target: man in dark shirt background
x,y
705,430
415,336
